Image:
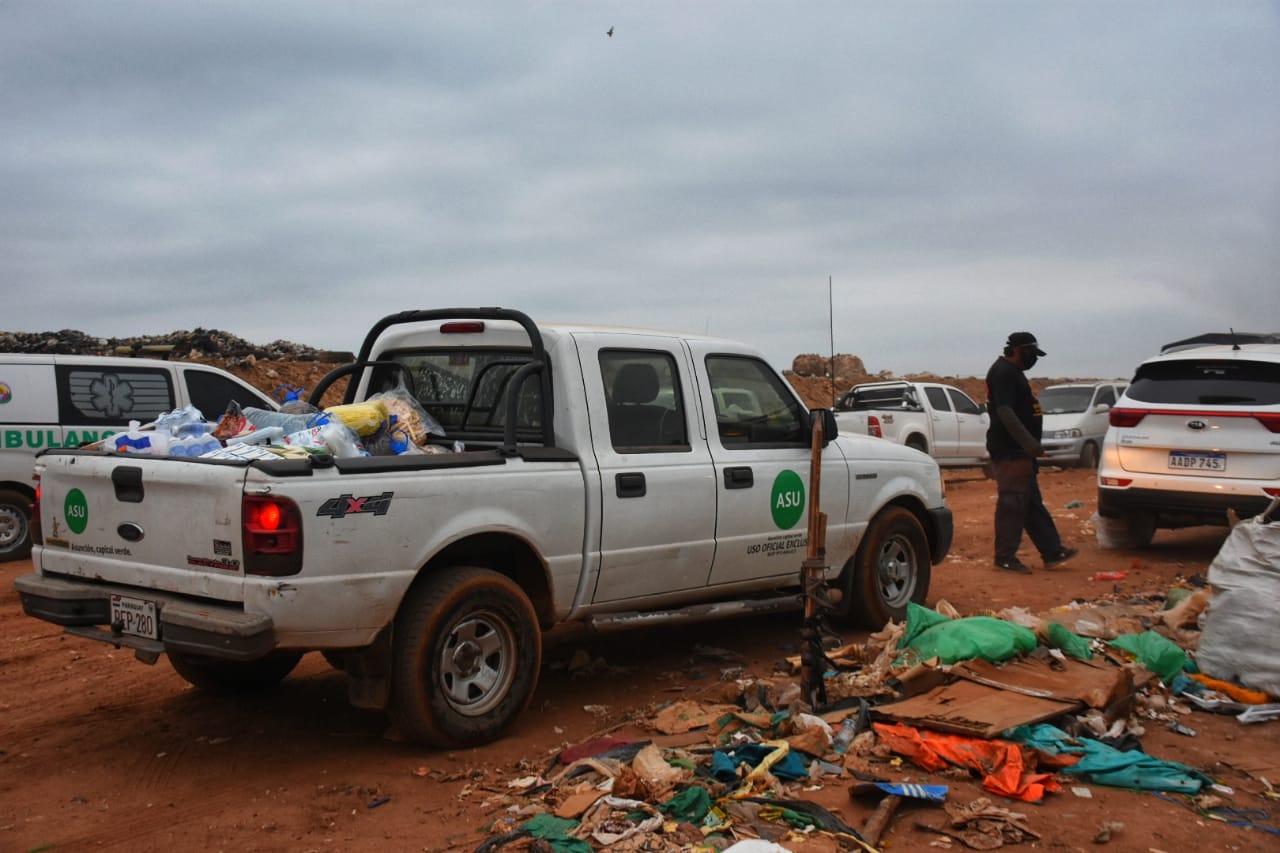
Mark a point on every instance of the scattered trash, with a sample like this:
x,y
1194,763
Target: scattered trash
x,y
1082,792
1110,576
380,801
1075,505
1109,830
1178,728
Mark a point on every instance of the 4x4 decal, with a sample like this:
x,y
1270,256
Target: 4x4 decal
x,y
344,505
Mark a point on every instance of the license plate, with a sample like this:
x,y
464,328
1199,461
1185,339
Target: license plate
x,y
1198,461
134,616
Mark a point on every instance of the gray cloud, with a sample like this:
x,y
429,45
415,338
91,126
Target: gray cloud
x,y
1104,174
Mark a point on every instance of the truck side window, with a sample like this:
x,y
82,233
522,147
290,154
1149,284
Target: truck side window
x,y
210,393
1107,395
937,398
113,395
753,407
646,409
963,404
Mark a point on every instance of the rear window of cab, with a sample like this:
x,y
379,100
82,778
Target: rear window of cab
x,y
1207,382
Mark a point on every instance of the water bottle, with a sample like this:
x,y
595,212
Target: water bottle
x,y
848,729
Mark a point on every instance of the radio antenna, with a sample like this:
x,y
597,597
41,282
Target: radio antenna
x,y
831,330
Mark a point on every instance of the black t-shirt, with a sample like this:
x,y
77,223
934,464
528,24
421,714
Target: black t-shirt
x,y
1008,386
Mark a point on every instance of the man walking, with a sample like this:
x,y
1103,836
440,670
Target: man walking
x,y
1013,441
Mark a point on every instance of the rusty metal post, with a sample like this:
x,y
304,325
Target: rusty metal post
x,y
811,579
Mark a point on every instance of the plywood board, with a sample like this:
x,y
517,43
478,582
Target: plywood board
x,y
968,708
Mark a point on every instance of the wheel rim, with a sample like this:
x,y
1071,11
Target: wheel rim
x,y
896,571
13,528
477,663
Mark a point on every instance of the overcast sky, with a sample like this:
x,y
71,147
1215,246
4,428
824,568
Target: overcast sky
x,y
1104,174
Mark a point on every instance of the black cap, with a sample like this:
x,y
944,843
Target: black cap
x,y
1024,339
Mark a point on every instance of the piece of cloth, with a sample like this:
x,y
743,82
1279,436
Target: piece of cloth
x,y
690,805
1235,691
1106,765
555,831
590,749
1019,507
785,765
1005,768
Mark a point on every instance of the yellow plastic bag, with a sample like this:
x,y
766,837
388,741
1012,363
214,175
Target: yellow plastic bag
x,y
364,418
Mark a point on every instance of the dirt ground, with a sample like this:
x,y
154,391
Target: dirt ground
x,y
100,752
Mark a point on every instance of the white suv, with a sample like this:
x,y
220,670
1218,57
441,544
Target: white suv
x,y
1196,433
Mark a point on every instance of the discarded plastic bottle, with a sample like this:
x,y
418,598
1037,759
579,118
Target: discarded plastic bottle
x,y
848,729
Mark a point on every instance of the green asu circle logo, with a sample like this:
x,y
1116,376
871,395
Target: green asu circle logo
x,y
787,499
76,510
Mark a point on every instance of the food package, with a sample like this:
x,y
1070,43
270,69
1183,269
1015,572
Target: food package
x,y
409,414
365,418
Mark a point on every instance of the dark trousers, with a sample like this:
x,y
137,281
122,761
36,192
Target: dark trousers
x,y
1019,507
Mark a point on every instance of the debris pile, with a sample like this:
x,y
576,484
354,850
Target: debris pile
x,y
1019,703
197,344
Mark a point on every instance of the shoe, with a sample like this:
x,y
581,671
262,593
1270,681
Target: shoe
x,y
1013,564
1059,556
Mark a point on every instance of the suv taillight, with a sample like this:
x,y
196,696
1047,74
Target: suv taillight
x,y
1271,420
272,536
1126,417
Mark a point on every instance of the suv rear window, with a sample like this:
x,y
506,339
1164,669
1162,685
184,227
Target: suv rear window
x,y
1207,382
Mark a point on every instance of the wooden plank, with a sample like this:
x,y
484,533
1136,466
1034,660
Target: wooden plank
x,y
1096,685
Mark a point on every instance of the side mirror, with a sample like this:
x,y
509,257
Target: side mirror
x,y
1102,408
830,429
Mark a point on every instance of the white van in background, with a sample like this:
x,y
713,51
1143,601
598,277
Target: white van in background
x,y
68,400
1075,420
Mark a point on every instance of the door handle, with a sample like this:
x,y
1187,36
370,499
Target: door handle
x,y
738,478
630,484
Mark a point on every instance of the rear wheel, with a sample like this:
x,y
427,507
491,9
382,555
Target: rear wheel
x,y
1088,455
466,656
230,675
890,569
15,525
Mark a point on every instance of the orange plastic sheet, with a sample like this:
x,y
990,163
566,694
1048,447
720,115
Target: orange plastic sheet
x,y
1235,691
1006,768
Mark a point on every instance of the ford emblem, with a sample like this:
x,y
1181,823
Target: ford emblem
x,y
1197,425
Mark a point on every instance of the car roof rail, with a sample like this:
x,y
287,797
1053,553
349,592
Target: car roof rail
x,y
1234,338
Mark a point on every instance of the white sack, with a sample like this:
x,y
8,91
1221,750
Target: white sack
x,y
1241,638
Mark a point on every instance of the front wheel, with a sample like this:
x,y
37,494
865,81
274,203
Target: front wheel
x,y
466,655
15,526
1089,455
216,674
890,569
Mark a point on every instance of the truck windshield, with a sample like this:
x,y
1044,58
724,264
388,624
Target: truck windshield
x,y
1066,399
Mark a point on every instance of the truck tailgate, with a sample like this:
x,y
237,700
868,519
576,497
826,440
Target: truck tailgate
x,y
165,523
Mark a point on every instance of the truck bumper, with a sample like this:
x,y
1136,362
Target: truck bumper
x,y
944,530
195,627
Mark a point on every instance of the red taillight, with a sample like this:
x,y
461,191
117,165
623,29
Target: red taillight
x,y
37,532
469,327
1271,421
1274,491
272,537
1126,417
1119,482
873,426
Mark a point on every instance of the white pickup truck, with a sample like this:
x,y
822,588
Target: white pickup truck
x,y
936,419
609,477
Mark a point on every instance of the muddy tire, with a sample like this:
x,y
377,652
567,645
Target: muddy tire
x,y
890,569
15,525
216,674
465,658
